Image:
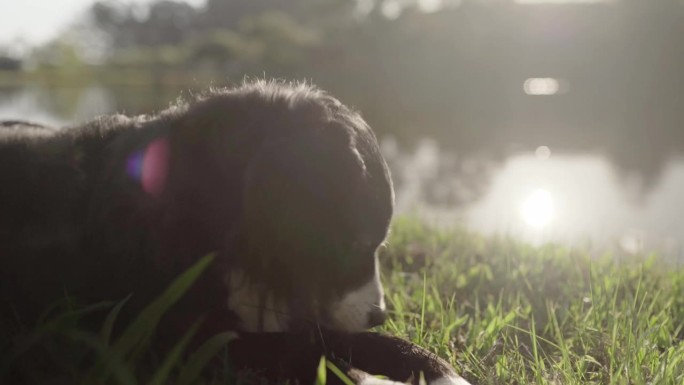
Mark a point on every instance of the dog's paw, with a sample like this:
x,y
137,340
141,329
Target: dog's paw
x,y
371,380
450,380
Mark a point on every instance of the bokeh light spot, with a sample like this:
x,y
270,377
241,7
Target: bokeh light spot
x,y
538,209
150,167
542,153
541,86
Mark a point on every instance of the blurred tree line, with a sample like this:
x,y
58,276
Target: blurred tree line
x,y
451,69
463,59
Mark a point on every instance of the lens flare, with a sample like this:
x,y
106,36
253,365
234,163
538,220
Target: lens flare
x,y
150,167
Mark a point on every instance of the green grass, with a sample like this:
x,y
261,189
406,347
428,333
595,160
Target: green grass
x,y
502,312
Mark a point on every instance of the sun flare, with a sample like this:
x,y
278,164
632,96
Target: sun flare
x,y
538,209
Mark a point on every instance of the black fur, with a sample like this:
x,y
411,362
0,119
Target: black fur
x,y
294,356
282,181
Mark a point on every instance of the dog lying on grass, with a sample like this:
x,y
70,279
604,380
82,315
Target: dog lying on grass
x,y
281,181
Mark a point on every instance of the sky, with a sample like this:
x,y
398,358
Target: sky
x,y
38,21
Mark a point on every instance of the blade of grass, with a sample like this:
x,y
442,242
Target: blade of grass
x,y
143,326
337,372
73,315
106,332
162,374
422,309
200,358
321,372
110,360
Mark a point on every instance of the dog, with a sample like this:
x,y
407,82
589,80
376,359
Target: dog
x,y
281,181
284,182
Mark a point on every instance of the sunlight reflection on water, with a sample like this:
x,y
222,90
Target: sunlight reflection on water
x,y
538,209
567,198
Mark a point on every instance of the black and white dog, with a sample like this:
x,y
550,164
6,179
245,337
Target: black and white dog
x,y
282,181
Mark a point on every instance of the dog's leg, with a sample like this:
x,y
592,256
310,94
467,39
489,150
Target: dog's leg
x,y
392,357
360,357
279,357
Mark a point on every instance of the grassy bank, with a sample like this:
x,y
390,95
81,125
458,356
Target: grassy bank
x,y
501,311
508,313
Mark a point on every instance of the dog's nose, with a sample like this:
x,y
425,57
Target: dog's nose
x,y
376,317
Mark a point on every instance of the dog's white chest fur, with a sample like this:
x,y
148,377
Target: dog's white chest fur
x,y
244,301
351,313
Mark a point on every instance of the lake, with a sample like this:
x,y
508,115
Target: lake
x,y
533,187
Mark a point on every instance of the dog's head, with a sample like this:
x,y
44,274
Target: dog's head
x,y
317,200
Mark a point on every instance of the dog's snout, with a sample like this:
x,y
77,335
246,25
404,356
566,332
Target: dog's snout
x,y
376,317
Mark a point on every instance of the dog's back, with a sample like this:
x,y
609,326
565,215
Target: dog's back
x,y
39,213
46,201
75,222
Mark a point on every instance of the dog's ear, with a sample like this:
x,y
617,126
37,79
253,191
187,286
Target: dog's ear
x,y
291,178
296,188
